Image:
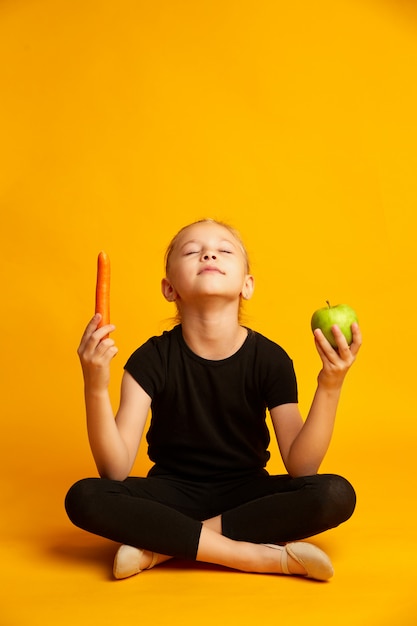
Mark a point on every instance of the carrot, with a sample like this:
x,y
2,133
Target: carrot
x,y
103,288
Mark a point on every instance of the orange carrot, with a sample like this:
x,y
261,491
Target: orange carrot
x,y
103,288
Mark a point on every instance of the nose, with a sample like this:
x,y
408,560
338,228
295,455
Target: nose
x,y
208,256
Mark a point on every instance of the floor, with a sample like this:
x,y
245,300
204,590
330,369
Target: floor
x,y
54,573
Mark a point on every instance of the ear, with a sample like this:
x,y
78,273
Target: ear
x,y
168,290
248,287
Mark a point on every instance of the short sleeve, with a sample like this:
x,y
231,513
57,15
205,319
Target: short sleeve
x,y
147,366
279,381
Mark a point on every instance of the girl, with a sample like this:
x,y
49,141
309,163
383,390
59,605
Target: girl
x,y
209,381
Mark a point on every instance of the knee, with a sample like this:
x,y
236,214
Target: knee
x,y
340,498
79,501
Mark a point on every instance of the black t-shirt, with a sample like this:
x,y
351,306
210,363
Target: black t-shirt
x,y
208,417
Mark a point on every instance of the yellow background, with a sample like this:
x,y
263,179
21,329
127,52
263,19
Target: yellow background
x,y
120,123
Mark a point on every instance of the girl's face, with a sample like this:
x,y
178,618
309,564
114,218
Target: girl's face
x,y
207,260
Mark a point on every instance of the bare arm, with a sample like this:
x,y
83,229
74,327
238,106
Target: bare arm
x,y
114,442
303,446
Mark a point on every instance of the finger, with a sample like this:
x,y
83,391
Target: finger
x,y
102,333
106,350
342,345
93,336
104,345
356,339
324,347
320,350
89,330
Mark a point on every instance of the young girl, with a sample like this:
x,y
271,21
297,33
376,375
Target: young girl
x,y
208,382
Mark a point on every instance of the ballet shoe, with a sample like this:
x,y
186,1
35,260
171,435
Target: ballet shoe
x,y
316,562
127,561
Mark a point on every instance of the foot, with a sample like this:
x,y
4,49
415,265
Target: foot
x,y
130,561
304,559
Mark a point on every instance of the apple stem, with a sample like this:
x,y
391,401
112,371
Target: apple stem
x,y
328,304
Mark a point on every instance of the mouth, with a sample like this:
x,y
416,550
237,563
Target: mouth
x,y
210,269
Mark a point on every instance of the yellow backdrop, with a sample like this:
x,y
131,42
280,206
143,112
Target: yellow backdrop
x,y
120,123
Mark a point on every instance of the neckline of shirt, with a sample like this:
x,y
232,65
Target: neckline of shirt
x,y
213,362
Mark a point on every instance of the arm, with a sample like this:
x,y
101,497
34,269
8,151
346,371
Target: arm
x,y
114,442
303,446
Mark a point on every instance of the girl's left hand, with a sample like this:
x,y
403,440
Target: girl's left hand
x,y
336,362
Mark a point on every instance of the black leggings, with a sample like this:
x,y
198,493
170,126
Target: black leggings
x,y
164,514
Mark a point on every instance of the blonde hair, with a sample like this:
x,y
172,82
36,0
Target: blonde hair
x,y
208,220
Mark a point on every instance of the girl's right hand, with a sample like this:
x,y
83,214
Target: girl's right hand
x,y
96,352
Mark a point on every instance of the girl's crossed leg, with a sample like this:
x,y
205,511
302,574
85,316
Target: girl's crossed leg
x,y
264,510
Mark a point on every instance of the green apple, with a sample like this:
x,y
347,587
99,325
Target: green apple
x,y
341,314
